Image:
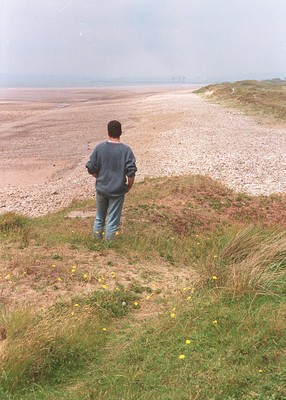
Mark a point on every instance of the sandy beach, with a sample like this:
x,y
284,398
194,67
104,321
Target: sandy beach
x,y
47,135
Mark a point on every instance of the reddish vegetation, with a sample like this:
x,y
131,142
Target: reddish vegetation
x,y
201,204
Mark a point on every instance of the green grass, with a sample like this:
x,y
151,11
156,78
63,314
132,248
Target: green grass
x,y
94,320
223,360
235,352
262,98
54,343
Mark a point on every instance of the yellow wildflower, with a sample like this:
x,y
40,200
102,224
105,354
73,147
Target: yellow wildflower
x,y
182,356
103,286
59,279
104,329
53,266
72,313
184,289
188,341
84,276
172,315
214,277
136,303
189,298
215,322
76,305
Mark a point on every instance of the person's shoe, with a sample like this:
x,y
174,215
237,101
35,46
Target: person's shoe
x,y
98,235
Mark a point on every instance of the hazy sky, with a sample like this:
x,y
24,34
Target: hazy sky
x,y
143,38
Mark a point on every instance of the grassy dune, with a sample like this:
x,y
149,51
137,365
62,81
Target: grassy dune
x,y
262,98
187,303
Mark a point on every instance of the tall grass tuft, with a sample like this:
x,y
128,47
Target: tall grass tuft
x,y
53,343
250,260
49,347
11,221
15,227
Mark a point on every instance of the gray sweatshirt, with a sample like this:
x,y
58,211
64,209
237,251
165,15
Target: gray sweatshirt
x,y
112,162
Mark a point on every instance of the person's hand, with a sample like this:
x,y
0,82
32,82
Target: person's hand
x,y
130,183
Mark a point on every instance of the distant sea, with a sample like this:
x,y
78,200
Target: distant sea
x,y
47,81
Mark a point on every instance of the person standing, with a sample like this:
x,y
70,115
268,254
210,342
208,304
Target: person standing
x,y
113,164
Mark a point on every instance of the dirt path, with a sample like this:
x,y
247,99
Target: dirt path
x,y
47,136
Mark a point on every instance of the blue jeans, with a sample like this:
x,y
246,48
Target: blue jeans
x,y
112,208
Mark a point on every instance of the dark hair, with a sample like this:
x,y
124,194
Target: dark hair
x,y
114,129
